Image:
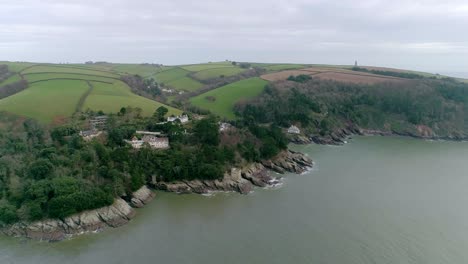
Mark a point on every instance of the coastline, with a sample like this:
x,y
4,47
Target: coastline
x,y
52,230
340,136
241,180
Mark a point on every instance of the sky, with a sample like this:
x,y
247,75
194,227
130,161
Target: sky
x,y
423,35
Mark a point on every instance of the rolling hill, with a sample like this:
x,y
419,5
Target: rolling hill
x,y
59,90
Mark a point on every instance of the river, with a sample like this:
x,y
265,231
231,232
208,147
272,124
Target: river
x,y
374,200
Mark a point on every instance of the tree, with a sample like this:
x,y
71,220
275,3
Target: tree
x,y
207,132
160,113
40,169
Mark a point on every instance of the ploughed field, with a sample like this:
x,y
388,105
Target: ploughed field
x,y
340,75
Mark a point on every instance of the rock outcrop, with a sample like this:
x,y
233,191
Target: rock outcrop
x,y
245,179
115,215
142,197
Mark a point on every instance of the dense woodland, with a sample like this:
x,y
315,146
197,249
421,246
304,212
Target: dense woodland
x,y
53,172
322,106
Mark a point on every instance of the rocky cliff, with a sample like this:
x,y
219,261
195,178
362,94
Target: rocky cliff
x,y
243,180
340,135
115,215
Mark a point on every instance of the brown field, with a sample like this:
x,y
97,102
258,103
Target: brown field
x,y
355,78
340,75
283,75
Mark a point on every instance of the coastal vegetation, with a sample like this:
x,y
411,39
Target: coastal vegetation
x,y
48,170
53,173
323,107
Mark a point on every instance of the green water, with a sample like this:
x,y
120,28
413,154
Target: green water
x,y
374,200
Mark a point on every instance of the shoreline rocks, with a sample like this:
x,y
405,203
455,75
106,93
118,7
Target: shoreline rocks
x,y
243,180
339,136
115,215
142,197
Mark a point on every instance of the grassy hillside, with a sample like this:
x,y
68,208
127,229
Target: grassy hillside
x,y
222,85
178,79
221,101
68,69
33,77
111,97
57,91
205,66
17,66
46,100
218,72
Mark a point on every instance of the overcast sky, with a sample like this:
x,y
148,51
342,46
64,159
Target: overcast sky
x,y
415,34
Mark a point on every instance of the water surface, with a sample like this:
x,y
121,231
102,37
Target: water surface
x,y
374,200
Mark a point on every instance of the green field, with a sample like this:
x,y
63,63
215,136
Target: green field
x,y
185,83
47,76
49,98
12,79
206,66
218,72
178,79
16,66
227,96
171,75
68,69
282,67
46,100
111,97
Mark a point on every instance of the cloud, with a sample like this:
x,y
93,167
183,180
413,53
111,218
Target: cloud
x,y
419,34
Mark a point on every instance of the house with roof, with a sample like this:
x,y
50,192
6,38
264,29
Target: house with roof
x,y
90,134
98,121
183,118
152,140
224,126
294,130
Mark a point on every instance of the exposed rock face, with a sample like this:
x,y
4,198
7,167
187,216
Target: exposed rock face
x,y
337,137
243,180
289,161
114,215
142,197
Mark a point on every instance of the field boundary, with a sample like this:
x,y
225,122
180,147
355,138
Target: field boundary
x,y
70,67
79,105
81,74
70,79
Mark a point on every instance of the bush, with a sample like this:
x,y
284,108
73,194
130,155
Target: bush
x,y
7,214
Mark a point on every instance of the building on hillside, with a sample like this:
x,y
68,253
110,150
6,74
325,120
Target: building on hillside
x,y
294,130
90,134
98,122
183,118
156,142
224,126
151,140
135,143
148,133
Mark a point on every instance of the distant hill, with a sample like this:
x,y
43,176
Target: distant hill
x,y
51,91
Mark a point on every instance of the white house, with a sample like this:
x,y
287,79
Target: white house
x,y
183,118
224,126
151,140
156,142
90,134
148,133
294,130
